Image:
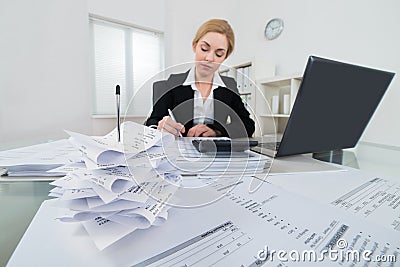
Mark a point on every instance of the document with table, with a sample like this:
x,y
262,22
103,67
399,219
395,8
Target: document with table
x,y
232,231
377,200
162,203
369,196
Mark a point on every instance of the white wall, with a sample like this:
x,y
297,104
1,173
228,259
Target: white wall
x,y
184,17
45,76
44,51
43,70
148,14
359,31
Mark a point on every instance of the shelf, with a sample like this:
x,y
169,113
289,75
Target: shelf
x,y
279,81
115,116
275,115
276,94
245,93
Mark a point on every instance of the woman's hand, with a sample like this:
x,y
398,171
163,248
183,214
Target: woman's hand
x,y
170,126
201,130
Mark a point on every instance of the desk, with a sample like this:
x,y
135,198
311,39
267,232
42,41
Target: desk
x,y
375,158
19,201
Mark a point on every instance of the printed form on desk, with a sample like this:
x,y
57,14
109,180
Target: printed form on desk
x,y
240,229
377,200
369,196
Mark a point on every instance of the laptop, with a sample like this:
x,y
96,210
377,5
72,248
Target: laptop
x,y
333,106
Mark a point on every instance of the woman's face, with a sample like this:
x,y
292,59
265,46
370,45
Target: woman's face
x,y
210,51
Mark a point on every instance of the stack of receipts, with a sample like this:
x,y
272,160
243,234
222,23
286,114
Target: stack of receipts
x,y
108,197
119,187
112,203
106,151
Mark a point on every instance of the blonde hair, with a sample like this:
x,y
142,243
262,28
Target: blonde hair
x,y
219,26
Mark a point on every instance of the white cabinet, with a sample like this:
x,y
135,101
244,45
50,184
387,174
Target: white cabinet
x,y
274,102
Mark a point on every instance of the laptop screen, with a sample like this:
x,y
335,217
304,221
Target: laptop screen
x,y
333,106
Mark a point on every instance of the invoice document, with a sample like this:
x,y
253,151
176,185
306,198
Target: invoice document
x,y
238,229
370,196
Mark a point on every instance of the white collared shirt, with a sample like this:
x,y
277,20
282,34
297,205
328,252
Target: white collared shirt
x,y
203,111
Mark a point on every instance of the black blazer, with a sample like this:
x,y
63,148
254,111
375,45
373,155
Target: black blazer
x,y
171,94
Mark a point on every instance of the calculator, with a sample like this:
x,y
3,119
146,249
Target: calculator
x,y
227,146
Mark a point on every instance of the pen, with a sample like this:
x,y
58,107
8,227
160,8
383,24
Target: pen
x,y
117,95
173,118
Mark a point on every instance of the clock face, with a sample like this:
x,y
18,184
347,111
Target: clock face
x,y
274,28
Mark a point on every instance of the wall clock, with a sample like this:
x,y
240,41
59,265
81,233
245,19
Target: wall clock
x,y
274,28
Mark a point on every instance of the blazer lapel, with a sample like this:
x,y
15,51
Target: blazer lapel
x,y
220,106
183,106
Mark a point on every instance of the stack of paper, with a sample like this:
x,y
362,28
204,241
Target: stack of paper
x,y
112,203
121,187
109,198
190,161
38,159
106,151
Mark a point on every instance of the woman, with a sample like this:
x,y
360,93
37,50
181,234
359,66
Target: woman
x,y
203,103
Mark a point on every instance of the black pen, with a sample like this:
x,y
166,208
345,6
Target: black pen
x,y
117,95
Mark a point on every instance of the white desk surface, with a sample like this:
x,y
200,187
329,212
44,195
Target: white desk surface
x,y
17,205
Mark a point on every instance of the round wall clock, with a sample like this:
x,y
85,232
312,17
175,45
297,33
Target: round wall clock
x,y
274,28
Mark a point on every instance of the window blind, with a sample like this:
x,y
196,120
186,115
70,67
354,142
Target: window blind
x,y
127,56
